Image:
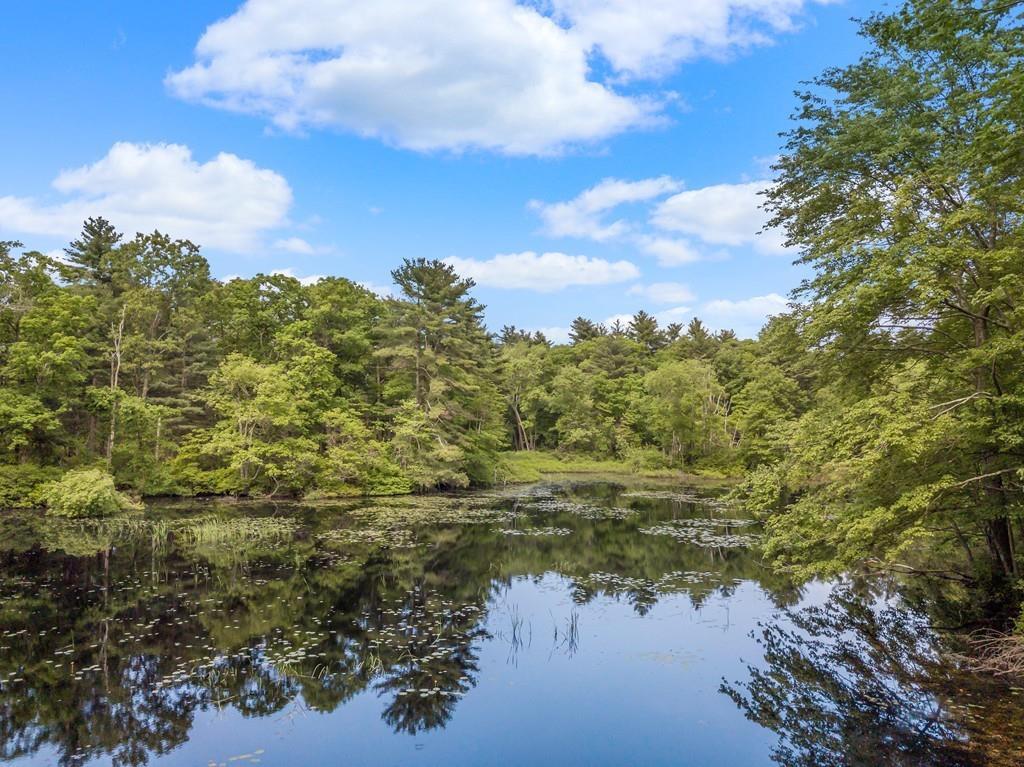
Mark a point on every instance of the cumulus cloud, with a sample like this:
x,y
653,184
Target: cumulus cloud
x,y
555,334
295,245
651,38
622,319
681,223
663,292
309,279
226,202
446,74
669,251
384,291
437,74
721,214
745,316
544,272
663,317
582,215
675,314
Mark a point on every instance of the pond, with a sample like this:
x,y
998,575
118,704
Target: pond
x,y
574,622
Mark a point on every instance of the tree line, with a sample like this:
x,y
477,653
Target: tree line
x,y
124,355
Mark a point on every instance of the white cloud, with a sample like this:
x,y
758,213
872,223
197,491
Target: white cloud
x,y
662,292
581,216
651,38
544,272
556,334
745,316
384,291
435,74
622,319
664,317
295,245
675,314
226,202
722,214
668,251
310,279
448,74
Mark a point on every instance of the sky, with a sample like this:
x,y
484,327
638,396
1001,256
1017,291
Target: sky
x,y
574,157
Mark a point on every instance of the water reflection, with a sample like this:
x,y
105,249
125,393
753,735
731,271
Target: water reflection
x,y
859,681
123,640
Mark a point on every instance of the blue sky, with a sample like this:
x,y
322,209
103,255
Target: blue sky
x,y
574,156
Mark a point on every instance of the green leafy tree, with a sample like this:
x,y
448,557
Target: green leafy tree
x,y
902,188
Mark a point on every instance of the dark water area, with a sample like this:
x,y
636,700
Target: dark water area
x,y
570,623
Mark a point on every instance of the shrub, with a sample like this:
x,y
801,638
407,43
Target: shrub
x,y
645,459
85,493
20,484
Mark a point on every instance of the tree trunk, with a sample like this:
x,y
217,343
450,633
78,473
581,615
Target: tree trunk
x,y
1000,543
521,438
115,372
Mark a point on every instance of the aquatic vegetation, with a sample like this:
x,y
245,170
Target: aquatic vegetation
x,y
434,511
85,537
533,531
705,532
677,496
222,531
668,582
582,510
389,537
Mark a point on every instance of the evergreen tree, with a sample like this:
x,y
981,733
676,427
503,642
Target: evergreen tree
x,y
581,329
643,329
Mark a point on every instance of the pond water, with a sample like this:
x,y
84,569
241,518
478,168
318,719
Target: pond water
x,y
575,622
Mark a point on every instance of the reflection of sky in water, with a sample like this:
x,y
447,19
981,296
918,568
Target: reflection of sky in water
x,y
617,697
600,643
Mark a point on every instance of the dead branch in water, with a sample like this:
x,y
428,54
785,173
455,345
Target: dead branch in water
x,y
995,652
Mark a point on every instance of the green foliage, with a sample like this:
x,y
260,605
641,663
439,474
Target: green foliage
x,y
84,493
902,188
762,490
356,462
137,360
534,465
21,484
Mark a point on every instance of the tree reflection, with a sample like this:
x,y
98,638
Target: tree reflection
x,y
117,634
860,681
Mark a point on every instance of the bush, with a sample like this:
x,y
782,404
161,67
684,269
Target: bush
x,y
20,484
645,459
85,493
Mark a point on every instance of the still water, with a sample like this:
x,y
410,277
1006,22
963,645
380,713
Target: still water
x,y
575,622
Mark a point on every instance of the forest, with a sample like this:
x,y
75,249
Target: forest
x,y
880,420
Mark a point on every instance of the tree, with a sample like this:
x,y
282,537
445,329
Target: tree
x,y
262,442
91,259
688,406
902,188
581,329
523,374
442,357
643,329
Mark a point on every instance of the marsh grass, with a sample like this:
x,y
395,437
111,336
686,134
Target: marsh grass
x,y
213,531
